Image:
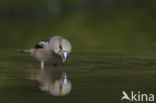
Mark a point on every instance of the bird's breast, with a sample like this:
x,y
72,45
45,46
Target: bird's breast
x,y
46,55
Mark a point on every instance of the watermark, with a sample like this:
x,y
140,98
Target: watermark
x,y
137,96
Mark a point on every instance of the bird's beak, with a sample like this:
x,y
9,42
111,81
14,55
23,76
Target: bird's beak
x,y
64,79
63,55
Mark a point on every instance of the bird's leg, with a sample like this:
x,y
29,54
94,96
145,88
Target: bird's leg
x,y
42,65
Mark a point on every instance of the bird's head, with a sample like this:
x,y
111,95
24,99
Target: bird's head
x,y
60,46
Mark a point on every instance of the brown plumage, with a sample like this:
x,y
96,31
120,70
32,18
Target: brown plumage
x,y
53,81
50,50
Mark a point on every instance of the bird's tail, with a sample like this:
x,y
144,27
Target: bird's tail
x,y
24,51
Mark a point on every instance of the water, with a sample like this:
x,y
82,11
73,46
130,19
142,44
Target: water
x,y
94,77
109,55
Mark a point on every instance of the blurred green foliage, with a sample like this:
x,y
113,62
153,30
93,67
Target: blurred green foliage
x,y
91,25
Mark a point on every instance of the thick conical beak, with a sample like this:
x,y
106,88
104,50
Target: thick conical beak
x,y
63,55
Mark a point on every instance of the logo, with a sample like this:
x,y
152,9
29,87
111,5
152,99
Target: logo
x,y
137,96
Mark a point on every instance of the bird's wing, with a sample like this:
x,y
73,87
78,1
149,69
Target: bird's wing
x,y
40,45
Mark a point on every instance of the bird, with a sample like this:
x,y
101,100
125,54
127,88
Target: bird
x,y
50,50
52,81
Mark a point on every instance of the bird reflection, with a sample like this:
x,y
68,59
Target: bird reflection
x,y
53,81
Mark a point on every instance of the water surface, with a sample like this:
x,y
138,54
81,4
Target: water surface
x,y
111,53
95,77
